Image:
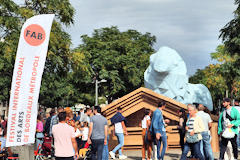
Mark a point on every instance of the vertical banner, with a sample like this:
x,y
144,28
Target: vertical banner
x,y
26,80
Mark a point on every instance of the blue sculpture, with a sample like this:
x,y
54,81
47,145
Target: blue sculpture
x,y
167,75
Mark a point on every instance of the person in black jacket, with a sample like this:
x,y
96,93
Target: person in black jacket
x,y
181,126
47,124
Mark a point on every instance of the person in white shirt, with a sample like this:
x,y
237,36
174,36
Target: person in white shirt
x,y
119,131
205,145
85,131
146,136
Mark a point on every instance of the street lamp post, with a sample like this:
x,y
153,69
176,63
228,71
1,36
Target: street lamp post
x,y
96,92
96,89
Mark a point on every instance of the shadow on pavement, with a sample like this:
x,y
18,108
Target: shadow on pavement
x,y
135,158
173,156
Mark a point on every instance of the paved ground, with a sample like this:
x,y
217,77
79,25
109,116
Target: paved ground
x,y
170,154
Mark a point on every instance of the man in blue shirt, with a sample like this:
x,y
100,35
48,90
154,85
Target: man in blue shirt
x,y
157,129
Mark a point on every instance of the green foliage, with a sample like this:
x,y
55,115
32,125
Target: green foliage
x,y
55,89
230,33
119,57
80,78
221,77
228,57
221,55
214,81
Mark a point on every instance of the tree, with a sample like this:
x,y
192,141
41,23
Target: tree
x,y
220,77
119,57
55,89
80,78
231,31
230,36
214,81
227,69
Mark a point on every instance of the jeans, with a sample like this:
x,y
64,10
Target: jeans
x,y
97,149
206,148
163,139
182,136
105,151
195,148
238,140
39,139
120,137
223,146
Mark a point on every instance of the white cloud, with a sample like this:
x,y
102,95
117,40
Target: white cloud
x,y
190,27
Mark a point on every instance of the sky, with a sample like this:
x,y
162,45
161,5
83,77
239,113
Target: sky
x,y
188,26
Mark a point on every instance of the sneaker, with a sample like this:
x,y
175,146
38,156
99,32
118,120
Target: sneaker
x,y
122,157
112,155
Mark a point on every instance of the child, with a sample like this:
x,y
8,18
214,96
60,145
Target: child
x,y
84,134
79,138
78,133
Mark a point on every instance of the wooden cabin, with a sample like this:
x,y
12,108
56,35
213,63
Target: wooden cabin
x,y
133,106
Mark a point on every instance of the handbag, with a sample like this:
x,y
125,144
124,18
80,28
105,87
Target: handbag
x,y
148,136
228,133
192,139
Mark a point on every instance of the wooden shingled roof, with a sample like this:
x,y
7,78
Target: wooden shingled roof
x,y
143,98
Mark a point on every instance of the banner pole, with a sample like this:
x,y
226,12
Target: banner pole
x,y
26,81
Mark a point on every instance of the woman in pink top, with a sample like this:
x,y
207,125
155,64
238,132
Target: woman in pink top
x,y
39,131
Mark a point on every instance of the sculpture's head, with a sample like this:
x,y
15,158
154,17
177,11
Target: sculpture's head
x,y
168,60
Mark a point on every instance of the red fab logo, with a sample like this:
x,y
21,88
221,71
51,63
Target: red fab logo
x,y
34,35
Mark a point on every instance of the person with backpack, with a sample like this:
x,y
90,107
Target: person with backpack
x,y
118,121
228,124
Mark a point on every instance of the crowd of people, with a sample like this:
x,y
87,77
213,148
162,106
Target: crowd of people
x,y
70,132
73,135
194,131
